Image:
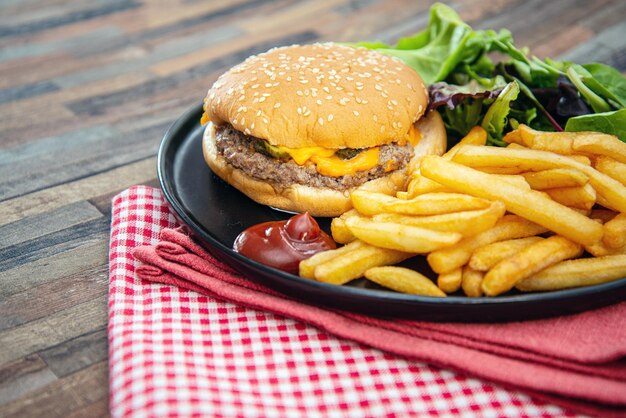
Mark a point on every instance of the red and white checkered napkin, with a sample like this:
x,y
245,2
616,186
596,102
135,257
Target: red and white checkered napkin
x,y
175,352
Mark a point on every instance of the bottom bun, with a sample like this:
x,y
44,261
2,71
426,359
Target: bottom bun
x,y
320,201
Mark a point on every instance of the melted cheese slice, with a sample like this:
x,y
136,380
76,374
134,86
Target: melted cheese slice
x,y
334,166
328,164
302,155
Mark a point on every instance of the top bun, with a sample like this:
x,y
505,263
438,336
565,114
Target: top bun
x,y
325,95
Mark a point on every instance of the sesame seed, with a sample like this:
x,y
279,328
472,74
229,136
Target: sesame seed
x,y
276,105
320,121
235,122
258,113
378,87
247,131
329,97
254,86
382,128
266,121
299,93
375,118
330,117
243,120
356,113
252,125
307,113
299,110
318,101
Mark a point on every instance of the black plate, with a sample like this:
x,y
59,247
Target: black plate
x,y
217,213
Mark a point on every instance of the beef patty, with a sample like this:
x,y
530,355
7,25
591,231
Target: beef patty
x,y
238,149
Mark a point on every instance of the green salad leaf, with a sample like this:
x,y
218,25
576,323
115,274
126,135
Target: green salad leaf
x,y
613,123
543,93
495,120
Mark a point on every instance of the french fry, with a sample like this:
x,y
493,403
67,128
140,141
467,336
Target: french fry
x,y
422,185
576,273
615,232
508,227
555,177
600,144
561,142
529,204
528,261
476,136
581,197
338,229
435,203
471,282
400,237
352,264
403,280
487,256
467,223
568,143
611,168
307,266
371,203
611,190
600,249
450,282
514,179
501,170
581,159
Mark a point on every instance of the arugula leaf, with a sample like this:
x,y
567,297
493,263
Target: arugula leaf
x,y
495,119
575,73
613,123
607,82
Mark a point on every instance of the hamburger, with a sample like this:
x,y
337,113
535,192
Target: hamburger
x,y
298,127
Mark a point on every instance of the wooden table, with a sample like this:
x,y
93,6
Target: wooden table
x,y
87,90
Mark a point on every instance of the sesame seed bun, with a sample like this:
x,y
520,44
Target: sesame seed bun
x,y
325,95
320,95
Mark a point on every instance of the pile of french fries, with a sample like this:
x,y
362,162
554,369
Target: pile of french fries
x,y
546,212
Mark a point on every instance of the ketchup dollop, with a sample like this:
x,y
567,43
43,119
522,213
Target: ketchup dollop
x,y
283,244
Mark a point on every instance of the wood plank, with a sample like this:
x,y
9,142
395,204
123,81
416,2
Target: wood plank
x,y
22,376
76,354
62,397
53,330
54,243
54,296
48,223
57,160
51,198
83,259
